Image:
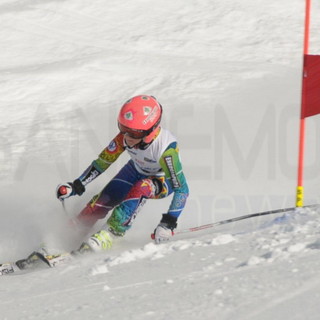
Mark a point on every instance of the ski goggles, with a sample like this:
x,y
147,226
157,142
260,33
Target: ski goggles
x,y
134,133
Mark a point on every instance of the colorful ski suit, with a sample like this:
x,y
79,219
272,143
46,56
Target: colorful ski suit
x,y
153,172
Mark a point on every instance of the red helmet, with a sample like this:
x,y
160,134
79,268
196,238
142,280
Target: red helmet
x,y
140,117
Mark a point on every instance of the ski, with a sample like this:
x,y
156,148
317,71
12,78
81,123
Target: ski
x,y
8,268
42,259
54,260
35,260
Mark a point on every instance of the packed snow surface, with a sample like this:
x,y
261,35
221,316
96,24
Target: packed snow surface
x,y
262,269
228,74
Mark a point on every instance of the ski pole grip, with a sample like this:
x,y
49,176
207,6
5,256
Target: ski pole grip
x,y
63,190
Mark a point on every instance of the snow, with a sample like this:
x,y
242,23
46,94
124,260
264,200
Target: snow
x,y
269,271
228,74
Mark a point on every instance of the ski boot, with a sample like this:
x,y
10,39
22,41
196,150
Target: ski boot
x,y
99,241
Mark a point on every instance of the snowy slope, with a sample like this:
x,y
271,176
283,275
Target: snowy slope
x,y
248,270
228,74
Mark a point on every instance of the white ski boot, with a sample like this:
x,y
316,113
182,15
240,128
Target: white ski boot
x,y
100,241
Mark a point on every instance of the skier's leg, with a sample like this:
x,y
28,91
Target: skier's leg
x,y
123,215
121,218
113,193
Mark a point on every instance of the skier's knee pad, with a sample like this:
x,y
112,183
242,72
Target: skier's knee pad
x,y
143,188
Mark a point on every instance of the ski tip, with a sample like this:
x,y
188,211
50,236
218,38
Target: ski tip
x,y
8,268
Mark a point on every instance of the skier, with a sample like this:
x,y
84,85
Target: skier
x,y
153,172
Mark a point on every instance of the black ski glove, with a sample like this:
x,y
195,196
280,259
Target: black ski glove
x,y
168,221
78,187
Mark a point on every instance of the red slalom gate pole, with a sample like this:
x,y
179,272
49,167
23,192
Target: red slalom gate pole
x,y
300,187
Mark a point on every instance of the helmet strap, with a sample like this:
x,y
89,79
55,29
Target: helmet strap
x,y
143,146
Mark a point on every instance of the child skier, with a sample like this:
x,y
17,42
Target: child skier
x,y
153,172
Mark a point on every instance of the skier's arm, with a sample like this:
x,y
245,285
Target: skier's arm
x,y
172,167
108,155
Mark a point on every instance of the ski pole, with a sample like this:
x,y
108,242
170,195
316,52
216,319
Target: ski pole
x,y
252,215
64,208
62,190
